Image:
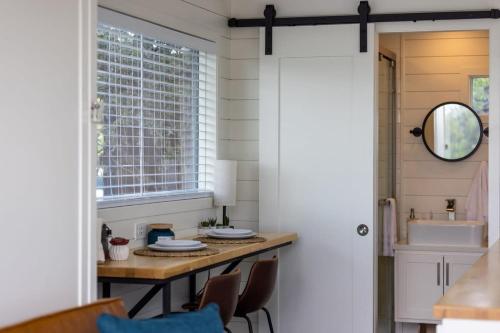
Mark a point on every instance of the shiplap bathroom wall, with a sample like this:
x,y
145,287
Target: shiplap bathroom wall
x,y
237,139
436,67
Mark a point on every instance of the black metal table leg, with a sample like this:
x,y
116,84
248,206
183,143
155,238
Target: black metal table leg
x,y
192,288
231,266
166,298
106,289
144,300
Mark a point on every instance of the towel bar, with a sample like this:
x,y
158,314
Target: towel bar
x,y
383,202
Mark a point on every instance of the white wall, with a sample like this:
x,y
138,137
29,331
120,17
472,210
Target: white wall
x,y
44,134
239,137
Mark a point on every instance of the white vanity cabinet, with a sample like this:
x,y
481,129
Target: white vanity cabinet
x,y
423,276
455,265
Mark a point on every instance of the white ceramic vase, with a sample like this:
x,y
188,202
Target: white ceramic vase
x,y
118,252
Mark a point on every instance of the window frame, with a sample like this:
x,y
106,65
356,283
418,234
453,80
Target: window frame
x,y
168,35
471,91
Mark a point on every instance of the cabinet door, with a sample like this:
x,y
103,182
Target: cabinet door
x,y
419,284
455,265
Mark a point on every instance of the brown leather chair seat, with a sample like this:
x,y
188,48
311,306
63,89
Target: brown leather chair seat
x,y
222,290
76,320
258,291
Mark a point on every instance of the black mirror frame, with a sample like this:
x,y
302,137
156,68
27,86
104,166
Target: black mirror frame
x,y
420,132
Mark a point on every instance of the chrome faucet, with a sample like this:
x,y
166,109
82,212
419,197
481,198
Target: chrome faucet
x,y
450,208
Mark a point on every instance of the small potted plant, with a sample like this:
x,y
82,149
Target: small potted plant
x,y
225,222
118,249
203,228
212,221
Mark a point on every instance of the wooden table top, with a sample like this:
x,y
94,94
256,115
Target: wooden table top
x,y
476,295
141,267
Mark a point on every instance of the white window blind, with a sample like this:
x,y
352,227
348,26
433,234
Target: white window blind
x,y
158,132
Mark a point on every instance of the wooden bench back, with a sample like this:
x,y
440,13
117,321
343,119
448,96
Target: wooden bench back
x,y
77,320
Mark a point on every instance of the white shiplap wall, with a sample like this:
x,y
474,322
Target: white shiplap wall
x,y
436,68
240,124
237,137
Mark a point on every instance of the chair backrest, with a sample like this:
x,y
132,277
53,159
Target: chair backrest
x,y
223,290
77,320
260,286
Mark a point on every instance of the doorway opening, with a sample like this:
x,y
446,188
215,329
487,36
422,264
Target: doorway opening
x,y
418,71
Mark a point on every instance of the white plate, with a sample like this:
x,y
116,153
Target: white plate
x,y
229,231
214,235
177,249
177,243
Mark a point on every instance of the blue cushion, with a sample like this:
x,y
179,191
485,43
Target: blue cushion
x,y
206,320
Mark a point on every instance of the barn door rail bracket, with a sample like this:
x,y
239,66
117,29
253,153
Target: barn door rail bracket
x,y
363,18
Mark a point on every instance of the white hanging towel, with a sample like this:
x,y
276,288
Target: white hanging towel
x,y
476,205
390,227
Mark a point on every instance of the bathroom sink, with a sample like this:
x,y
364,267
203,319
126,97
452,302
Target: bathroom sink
x,y
447,233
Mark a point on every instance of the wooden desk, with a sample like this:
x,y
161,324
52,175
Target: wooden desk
x,y
476,295
159,272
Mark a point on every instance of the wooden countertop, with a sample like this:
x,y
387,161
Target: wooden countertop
x,y
141,267
476,295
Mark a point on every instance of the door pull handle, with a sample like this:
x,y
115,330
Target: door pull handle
x,y
447,274
438,273
362,230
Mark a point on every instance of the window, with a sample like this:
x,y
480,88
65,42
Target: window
x,y
480,94
158,91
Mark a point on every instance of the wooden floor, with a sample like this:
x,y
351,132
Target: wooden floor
x,y
427,328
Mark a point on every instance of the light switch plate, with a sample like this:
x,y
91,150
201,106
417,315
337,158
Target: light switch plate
x,y
141,230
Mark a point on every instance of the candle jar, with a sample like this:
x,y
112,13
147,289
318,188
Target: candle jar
x,y
160,230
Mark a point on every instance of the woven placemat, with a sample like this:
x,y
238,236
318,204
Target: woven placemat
x,y
210,240
200,253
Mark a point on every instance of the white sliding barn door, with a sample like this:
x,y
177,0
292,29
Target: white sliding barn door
x,y
317,153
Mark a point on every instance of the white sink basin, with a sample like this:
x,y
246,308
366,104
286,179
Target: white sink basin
x,y
447,233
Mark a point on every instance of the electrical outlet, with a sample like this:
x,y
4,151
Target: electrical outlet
x,y
141,230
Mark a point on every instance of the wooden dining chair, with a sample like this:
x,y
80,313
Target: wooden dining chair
x,y
222,290
258,291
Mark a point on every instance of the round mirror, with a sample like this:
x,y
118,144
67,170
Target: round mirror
x,y
452,131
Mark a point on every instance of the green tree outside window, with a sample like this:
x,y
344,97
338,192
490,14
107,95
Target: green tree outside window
x,y
480,94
